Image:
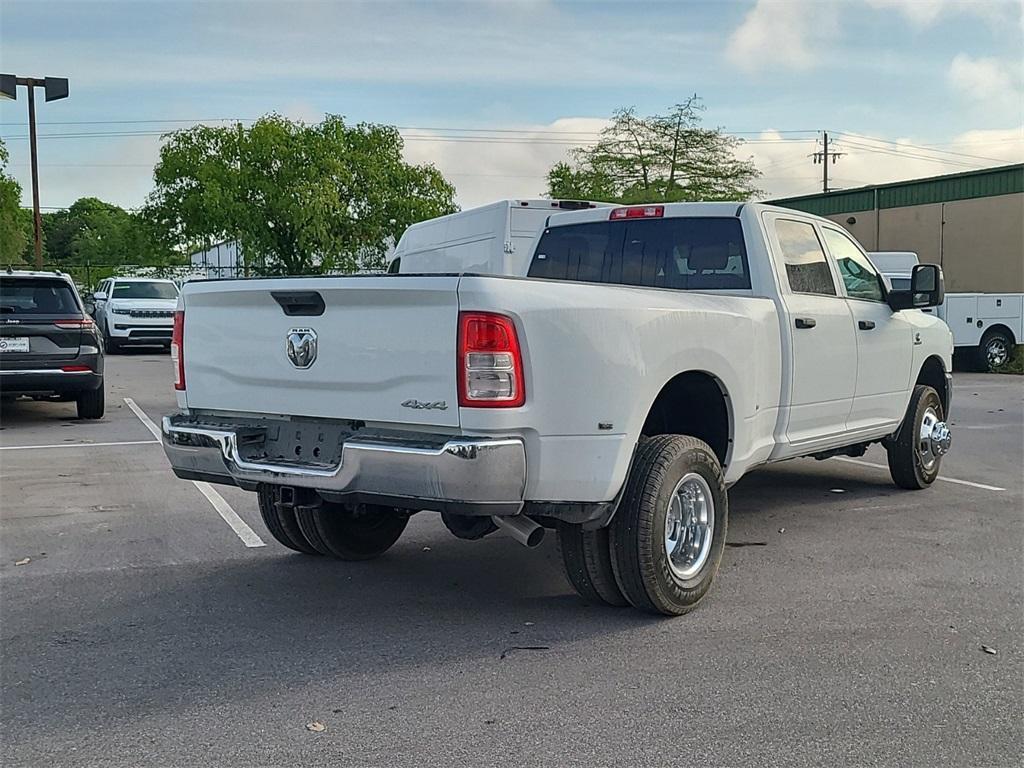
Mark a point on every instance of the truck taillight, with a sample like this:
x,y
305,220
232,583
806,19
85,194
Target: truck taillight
x,y
490,362
637,212
177,351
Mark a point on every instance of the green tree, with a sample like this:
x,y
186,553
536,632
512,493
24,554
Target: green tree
x,y
661,158
13,219
97,232
298,198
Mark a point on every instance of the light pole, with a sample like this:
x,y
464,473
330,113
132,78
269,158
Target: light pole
x,y
53,88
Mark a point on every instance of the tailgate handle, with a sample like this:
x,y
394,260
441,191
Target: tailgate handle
x,y
300,303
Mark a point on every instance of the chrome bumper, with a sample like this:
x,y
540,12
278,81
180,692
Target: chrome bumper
x,y
466,475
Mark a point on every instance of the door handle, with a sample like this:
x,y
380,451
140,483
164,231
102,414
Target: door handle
x,y
865,325
806,322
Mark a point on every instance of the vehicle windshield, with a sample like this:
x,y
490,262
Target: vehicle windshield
x,y
144,290
693,253
36,296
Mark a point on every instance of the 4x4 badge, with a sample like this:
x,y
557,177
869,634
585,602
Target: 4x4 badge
x,y
437,405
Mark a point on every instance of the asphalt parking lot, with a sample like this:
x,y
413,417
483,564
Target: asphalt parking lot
x,y
151,627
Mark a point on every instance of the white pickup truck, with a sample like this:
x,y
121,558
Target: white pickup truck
x,y
645,359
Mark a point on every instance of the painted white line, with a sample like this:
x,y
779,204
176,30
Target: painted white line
x,y
75,445
248,536
244,532
992,426
984,487
146,421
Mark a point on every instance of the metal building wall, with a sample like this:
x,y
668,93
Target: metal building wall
x,y
971,223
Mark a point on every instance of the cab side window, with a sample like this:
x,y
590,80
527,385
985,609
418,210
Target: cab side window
x,y
859,275
806,265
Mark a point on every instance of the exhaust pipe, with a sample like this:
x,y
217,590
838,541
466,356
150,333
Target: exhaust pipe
x,y
522,529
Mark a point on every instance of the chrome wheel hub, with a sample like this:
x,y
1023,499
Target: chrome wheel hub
x,y
689,526
933,440
996,353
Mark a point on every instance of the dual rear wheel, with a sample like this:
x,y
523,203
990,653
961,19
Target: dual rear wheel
x,y
359,532
662,550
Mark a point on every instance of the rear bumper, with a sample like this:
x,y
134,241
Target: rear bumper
x,y
472,476
48,380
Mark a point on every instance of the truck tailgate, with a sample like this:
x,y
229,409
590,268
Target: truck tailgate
x,y
380,342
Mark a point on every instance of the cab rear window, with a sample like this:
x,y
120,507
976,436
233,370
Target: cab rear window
x,y
693,253
36,296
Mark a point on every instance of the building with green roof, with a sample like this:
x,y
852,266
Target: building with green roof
x,y
971,223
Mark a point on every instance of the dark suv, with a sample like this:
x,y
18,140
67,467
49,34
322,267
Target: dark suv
x,y
49,346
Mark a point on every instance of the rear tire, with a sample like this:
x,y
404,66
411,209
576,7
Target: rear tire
x,y
360,532
995,351
668,535
587,560
282,523
910,467
91,403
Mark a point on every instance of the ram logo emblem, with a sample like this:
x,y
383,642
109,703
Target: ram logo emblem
x,y
301,347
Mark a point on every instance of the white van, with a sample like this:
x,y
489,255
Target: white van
x,y
985,325
493,239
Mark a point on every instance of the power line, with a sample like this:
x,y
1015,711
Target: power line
x,y
919,147
453,129
907,155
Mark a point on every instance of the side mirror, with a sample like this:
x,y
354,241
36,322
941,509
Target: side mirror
x,y
99,296
927,289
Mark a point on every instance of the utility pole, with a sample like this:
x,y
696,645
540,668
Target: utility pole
x,y
823,156
54,88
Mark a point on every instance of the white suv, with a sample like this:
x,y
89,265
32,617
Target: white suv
x,y
135,311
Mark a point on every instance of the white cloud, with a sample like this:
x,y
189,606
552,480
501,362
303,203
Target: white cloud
x,y
919,12
798,34
517,167
782,33
788,169
998,85
922,13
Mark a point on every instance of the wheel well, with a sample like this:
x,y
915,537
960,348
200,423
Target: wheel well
x,y
933,374
692,403
1003,329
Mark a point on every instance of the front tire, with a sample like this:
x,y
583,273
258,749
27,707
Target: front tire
x,y
110,345
914,456
91,403
586,557
668,535
995,351
360,532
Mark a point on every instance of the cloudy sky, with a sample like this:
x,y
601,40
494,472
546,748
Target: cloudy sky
x,y
494,91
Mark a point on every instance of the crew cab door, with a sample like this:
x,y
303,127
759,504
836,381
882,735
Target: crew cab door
x,y
884,337
818,335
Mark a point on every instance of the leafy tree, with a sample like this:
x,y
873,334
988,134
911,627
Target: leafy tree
x,y
661,158
96,232
298,198
13,236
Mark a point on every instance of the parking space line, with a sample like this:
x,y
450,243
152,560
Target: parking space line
x,y
146,421
248,536
940,477
76,445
